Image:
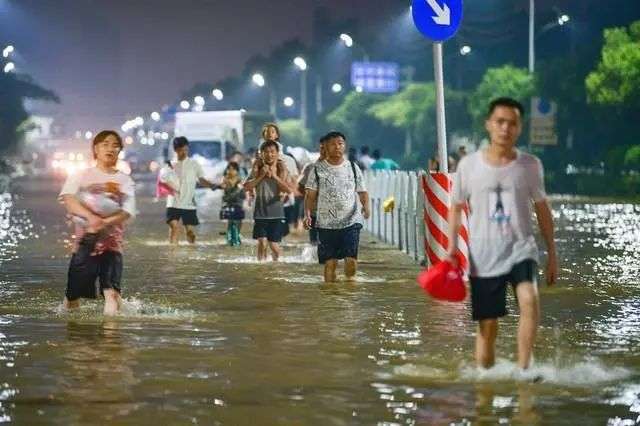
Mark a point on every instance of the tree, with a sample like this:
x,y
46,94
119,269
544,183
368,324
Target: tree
x,y
616,79
351,116
294,134
413,110
508,81
632,157
14,89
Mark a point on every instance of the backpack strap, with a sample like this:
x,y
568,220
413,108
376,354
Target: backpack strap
x,y
315,170
355,176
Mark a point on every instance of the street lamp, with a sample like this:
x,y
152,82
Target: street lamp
x,y
198,100
217,94
465,50
258,80
185,104
562,20
336,88
7,51
288,101
301,64
155,116
346,39
9,67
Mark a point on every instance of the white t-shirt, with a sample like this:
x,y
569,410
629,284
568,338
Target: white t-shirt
x,y
188,172
338,203
99,191
500,202
292,166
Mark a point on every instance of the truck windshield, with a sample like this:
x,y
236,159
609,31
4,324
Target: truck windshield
x,y
211,150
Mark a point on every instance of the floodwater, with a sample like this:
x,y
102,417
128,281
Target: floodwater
x,y
209,336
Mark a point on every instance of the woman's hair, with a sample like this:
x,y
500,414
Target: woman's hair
x,y
101,136
266,127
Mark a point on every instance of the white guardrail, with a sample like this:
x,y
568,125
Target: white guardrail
x,y
403,227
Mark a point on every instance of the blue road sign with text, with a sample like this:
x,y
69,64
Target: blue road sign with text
x,y
437,20
375,77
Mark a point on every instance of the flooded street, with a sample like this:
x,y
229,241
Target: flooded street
x,y
210,336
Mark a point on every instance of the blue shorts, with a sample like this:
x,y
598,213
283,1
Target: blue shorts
x,y
271,229
338,243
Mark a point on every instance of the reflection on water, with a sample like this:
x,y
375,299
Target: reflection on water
x,y
208,334
15,225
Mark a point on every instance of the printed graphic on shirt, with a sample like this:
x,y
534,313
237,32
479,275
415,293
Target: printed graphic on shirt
x,y
500,202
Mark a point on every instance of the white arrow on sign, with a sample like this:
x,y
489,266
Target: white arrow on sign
x,y
443,14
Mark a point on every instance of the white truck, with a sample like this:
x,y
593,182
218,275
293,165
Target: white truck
x,y
214,135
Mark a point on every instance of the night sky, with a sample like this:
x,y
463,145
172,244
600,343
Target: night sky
x,y
109,59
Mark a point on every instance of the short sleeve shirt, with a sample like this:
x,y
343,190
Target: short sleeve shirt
x,y
338,187
500,201
188,172
268,202
93,187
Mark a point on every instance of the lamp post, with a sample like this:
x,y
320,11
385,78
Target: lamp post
x,y
259,80
562,19
347,40
301,64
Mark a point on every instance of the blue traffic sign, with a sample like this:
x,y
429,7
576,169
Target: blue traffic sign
x,y
437,20
375,77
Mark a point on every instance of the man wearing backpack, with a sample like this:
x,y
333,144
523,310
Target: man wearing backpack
x,y
336,190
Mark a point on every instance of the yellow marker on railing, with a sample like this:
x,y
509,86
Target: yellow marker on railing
x,y
389,204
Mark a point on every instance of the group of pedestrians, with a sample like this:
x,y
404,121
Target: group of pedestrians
x,y
498,185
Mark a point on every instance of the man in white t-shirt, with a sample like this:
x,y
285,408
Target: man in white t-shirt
x,y
500,184
100,200
181,206
336,190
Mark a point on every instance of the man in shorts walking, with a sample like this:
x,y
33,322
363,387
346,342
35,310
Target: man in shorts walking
x,y
181,206
270,180
335,188
500,184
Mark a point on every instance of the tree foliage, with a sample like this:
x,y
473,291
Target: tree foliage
x,y
414,109
616,79
294,134
14,89
351,115
508,81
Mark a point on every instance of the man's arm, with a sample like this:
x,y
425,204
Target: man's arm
x,y
255,177
207,184
455,219
310,204
545,223
284,183
364,200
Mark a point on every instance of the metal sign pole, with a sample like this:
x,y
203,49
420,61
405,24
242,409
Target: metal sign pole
x,y
440,112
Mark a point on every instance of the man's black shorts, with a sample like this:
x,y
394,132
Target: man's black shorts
x,y
188,216
338,243
85,269
489,294
271,229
